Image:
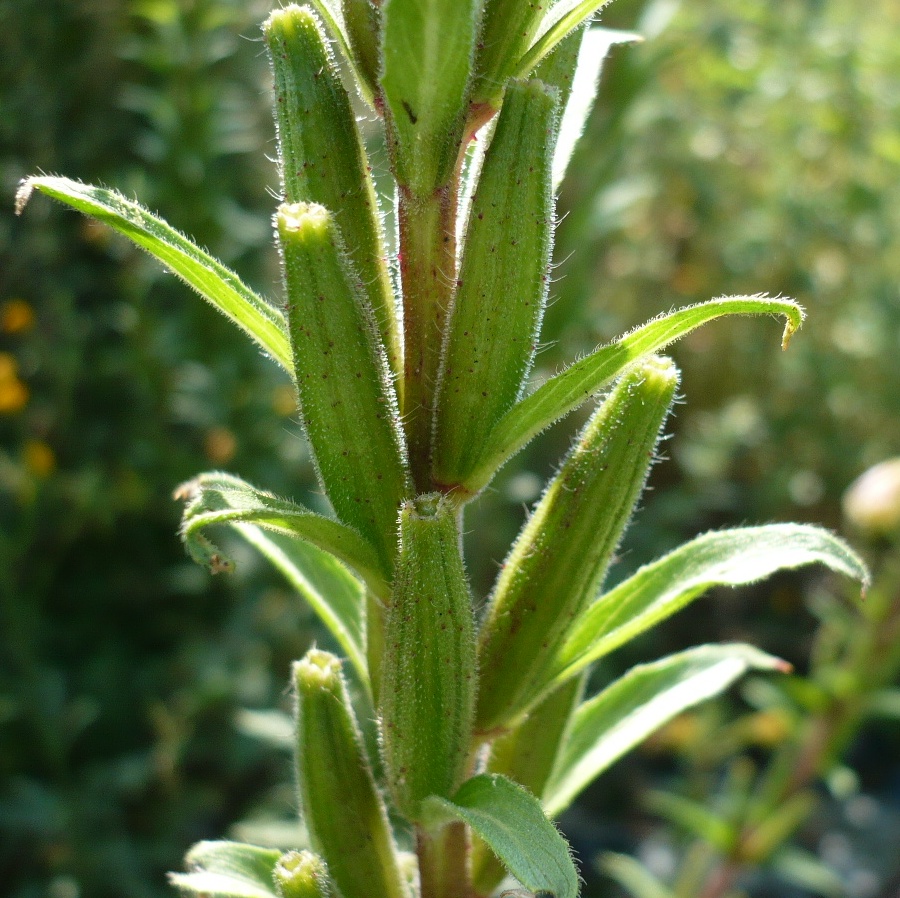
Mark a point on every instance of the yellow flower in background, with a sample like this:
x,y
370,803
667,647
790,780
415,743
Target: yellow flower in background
x,y
8,367
16,316
13,393
220,445
39,458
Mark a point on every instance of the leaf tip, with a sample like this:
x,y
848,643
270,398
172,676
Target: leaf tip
x,y
793,320
23,194
186,491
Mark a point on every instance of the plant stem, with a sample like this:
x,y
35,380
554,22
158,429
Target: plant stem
x,y
444,862
427,228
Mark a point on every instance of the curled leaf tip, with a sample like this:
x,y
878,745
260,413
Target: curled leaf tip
x,y
206,553
220,565
794,315
186,491
23,194
791,326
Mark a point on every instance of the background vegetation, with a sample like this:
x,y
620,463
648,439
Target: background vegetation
x,y
745,146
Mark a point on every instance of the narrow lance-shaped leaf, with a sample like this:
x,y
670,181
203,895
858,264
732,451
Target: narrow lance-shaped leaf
x,y
336,596
722,558
507,30
216,499
427,48
332,14
510,820
558,69
779,825
569,389
340,801
593,47
322,158
633,877
302,874
212,280
429,676
703,820
639,703
559,560
502,287
526,755
564,17
362,19
228,869
801,867
346,398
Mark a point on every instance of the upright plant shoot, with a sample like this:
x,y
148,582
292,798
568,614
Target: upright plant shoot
x,y
413,393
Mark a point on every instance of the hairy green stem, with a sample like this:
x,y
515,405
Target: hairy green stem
x,y
444,862
428,271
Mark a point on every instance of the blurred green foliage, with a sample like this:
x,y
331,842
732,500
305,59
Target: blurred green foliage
x,y
744,146
751,147
122,664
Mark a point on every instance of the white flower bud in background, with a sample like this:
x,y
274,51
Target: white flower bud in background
x,y
872,501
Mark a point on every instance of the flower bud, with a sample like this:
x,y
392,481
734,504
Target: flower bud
x,y
322,156
301,874
560,558
429,674
872,501
341,805
502,287
346,398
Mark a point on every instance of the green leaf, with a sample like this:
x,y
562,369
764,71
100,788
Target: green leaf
x,y
633,877
510,820
559,560
332,14
212,280
347,399
526,754
778,825
564,17
806,870
230,869
696,818
642,701
558,69
567,390
722,558
221,499
273,728
507,29
427,53
362,21
335,595
490,340
595,46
